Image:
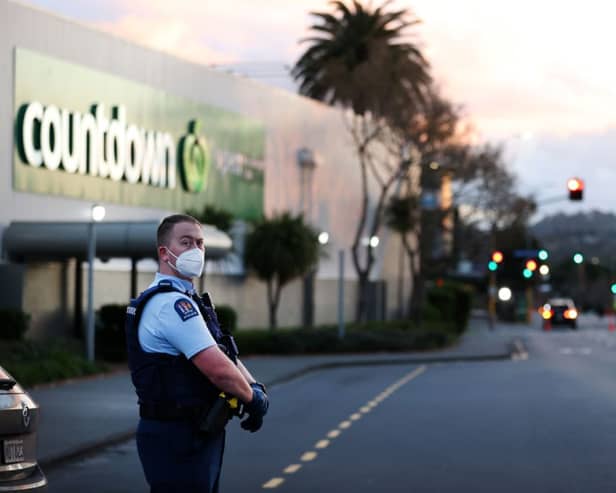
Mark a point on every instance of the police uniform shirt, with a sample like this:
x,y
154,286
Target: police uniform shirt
x,y
171,322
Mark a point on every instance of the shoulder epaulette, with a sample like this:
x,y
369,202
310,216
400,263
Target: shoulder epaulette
x,y
135,308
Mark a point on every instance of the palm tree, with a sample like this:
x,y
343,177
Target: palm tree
x,y
360,59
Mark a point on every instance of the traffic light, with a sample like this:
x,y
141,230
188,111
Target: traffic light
x,y
576,188
531,265
613,288
578,258
542,254
496,258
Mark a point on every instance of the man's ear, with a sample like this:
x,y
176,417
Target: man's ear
x,y
163,253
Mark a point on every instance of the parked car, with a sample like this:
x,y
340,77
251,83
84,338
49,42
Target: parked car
x,y
19,416
559,311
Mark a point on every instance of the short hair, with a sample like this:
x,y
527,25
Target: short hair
x,y
167,224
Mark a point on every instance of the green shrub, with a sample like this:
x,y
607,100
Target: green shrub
x,y
453,302
13,323
325,340
431,313
227,317
110,338
39,362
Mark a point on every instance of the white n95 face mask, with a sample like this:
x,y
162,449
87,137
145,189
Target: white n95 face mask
x,y
189,263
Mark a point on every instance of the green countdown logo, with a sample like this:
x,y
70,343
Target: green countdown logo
x,y
195,159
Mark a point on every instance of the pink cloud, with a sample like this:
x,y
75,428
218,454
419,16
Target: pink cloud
x,y
517,67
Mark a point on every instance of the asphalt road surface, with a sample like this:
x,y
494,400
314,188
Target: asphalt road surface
x,y
545,424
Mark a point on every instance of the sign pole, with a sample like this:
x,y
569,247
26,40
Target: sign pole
x,y
341,294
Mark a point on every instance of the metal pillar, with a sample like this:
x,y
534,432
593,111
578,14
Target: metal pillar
x,y
341,294
90,321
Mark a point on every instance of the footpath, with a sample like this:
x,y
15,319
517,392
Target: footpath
x,y
80,416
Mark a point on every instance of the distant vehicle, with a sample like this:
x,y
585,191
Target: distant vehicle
x,y
559,311
19,415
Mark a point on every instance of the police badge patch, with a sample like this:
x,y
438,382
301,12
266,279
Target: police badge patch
x,y
185,309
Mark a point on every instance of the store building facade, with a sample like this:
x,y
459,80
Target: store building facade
x,y
88,118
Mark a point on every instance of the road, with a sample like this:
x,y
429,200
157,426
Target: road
x,y
545,424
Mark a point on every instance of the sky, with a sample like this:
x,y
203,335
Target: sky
x,y
537,76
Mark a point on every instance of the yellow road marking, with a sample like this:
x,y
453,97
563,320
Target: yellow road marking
x,y
321,444
308,456
273,483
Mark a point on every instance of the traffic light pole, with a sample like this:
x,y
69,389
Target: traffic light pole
x,y
492,300
529,304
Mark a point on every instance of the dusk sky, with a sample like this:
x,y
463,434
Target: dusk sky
x,y
538,76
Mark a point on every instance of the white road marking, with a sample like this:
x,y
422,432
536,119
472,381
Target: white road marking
x,y
571,351
292,468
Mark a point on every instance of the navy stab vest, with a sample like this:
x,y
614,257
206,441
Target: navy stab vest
x,y
163,379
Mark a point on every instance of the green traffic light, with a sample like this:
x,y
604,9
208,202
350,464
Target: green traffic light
x,y
578,258
542,254
613,288
492,266
527,273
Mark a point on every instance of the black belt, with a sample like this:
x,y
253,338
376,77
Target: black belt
x,y
169,412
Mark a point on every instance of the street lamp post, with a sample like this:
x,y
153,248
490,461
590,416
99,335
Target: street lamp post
x,y
307,165
97,214
341,294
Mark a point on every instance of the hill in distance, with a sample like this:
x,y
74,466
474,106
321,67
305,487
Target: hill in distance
x,y
591,233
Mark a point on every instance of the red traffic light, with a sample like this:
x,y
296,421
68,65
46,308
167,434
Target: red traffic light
x,y
576,188
497,257
531,265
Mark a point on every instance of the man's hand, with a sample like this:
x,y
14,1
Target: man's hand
x,y
256,408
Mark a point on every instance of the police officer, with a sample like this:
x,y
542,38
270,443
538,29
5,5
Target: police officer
x,y
185,370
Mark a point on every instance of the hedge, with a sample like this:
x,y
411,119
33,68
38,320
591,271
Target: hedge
x,y
13,324
449,302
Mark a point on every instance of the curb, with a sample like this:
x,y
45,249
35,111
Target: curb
x,y
391,362
516,352
82,378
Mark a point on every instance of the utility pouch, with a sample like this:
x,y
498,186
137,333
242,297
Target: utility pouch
x,y
214,420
